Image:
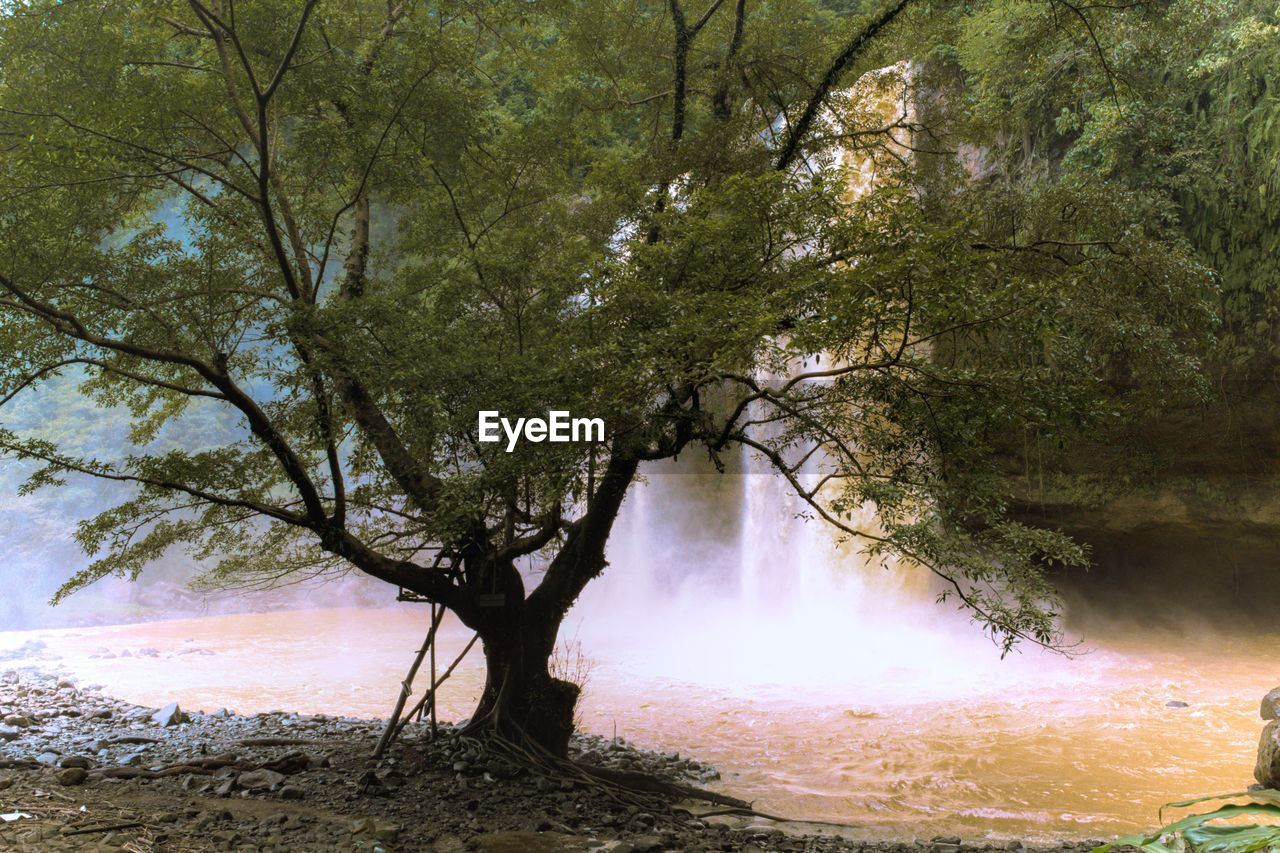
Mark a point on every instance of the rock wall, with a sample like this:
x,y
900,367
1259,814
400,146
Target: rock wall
x,y
1182,516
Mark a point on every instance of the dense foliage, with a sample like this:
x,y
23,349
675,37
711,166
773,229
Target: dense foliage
x,y
339,231
1177,100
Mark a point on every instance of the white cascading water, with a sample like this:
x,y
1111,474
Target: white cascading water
x,y
727,580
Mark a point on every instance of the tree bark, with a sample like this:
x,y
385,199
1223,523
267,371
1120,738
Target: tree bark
x,y
522,701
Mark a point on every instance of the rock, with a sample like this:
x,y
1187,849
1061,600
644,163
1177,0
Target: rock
x,y
47,758
66,682
70,762
169,715
17,721
1267,770
1271,705
640,844
259,780
1176,703
72,776
292,792
148,652
10,733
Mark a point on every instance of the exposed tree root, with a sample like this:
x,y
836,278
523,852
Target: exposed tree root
x,y
645,783
626,787
631,787
279,741
133,739
144,773
750,812
286,764
109,828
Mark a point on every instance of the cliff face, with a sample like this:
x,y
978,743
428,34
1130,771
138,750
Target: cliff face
x,y
1182,516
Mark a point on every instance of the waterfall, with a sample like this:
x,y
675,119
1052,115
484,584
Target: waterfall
x,y
718,579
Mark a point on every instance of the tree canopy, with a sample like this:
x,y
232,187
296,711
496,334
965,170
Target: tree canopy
x,y
341,230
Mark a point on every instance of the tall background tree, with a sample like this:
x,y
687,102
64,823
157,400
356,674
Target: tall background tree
x,y
1175,101
344,229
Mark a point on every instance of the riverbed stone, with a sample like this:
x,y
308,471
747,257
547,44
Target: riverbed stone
x,y
72,776
259,780
169,715
1267,770
1270,709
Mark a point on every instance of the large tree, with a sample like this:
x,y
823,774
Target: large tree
x,y
342,230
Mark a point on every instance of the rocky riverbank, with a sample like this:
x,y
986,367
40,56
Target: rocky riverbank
x,y
80,770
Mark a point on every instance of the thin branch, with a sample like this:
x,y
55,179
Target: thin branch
x,y
794,140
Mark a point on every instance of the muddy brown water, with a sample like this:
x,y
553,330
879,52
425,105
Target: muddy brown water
x,y
1055,750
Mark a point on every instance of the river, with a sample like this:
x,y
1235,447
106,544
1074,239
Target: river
x,y
1037,746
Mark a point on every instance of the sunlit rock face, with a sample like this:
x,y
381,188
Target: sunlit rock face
x,y
1270,709
1267,770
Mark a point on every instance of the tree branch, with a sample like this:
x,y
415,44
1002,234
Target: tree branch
x,y
794,140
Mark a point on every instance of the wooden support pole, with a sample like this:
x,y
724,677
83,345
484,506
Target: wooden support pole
x,y
406,686
433,681
430,695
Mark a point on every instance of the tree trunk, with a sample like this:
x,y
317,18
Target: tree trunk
x,y
521,700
